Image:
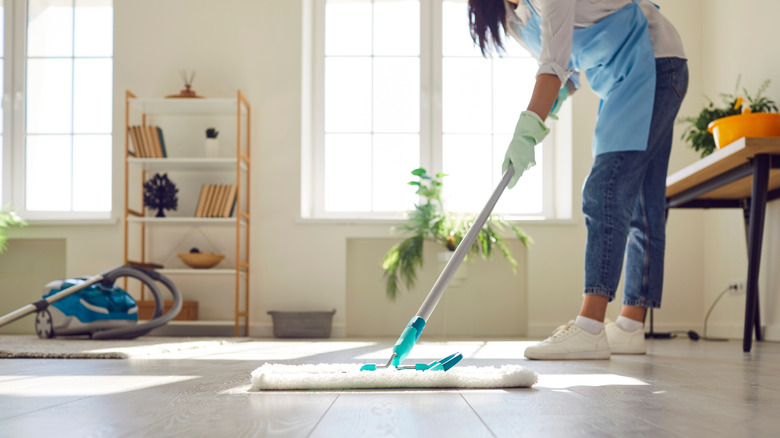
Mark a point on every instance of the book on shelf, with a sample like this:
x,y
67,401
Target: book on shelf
x,y
216,200
162,141
230,204
221,200
148,141
201,205
204,200
137,151
212,199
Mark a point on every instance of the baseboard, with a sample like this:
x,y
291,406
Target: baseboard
x,y
728,331
772,332
541,331
737,331
226,329
267,331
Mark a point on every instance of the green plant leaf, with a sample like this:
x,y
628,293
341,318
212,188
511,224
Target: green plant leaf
x,y
429,221
696,134
8,219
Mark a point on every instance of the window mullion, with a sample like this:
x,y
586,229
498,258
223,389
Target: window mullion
x,y
427,61
18,134
6,184
317,186
435,62
372,130
72,107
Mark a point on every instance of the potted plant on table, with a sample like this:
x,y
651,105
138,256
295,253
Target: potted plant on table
x,y
699,133
429,221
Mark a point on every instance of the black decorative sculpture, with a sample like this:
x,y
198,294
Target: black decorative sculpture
x,y
160,193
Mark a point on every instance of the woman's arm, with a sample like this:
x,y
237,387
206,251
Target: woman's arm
x,y
545,92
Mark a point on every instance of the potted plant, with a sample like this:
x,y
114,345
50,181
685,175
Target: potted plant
x,y
429,221
8,219
699,132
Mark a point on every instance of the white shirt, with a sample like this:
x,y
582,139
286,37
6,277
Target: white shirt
x,y
559,18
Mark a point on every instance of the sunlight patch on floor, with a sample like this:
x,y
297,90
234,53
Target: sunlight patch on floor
x,y
562,381
81,386
503,350
276,350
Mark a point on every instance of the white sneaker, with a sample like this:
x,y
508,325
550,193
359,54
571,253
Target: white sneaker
x,y
623,342
570,342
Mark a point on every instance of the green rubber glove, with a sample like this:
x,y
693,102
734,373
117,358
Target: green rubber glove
x,y
562,95
529,132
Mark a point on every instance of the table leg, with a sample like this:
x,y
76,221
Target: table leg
x,y
757,210
746,216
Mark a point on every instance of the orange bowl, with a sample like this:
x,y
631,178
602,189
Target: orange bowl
x,y
726,130
200,260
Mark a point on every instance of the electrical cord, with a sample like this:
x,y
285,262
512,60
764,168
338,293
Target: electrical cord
x,y
692,334
707,317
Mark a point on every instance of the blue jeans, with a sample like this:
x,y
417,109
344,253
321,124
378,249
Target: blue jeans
x,y
624,203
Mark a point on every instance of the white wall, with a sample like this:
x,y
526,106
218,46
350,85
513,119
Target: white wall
x,y
256,45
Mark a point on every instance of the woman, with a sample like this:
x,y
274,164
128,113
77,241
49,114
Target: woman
x,y
634,61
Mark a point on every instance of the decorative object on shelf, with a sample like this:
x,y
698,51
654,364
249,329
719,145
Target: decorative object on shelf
x,y
187,92
429,221
212,143
302,324
8,219
200,260
699,135
160,193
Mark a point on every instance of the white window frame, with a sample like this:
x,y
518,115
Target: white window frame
x,y
8,116
14,132
556,192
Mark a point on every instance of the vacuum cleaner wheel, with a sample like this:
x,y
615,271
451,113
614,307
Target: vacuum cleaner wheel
x,y
44,326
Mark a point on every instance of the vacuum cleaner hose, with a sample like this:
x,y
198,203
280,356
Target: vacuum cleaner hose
x,y
150,279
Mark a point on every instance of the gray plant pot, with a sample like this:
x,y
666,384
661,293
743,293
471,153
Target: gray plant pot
x,y
302,324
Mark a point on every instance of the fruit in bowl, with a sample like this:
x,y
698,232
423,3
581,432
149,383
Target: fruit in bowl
x,y
200,260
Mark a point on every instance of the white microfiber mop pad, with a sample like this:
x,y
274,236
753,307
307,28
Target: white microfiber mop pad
x,y
349,376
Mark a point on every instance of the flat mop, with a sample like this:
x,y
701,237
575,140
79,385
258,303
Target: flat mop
x,y
436,374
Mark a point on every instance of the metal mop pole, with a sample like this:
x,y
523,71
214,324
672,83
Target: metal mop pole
x,y
415,327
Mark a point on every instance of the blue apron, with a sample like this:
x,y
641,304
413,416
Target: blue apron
x,y
617,57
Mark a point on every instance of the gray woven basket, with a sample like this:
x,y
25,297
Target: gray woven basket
x,y
302,324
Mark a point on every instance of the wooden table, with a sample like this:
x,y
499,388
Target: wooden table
x,y
744,174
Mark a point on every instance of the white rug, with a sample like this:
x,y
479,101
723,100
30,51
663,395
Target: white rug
x,y
349,376
31,347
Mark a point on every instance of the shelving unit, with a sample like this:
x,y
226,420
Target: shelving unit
x,y
185,158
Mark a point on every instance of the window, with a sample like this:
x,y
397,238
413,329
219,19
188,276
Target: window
x,y
57,160
398,84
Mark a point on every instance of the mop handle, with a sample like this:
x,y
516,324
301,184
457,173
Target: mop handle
x,y
463,248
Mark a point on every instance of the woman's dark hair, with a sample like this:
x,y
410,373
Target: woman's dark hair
x,y
486,20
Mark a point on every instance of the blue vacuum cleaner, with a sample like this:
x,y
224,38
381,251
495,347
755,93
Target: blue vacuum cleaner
x,y
97,308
